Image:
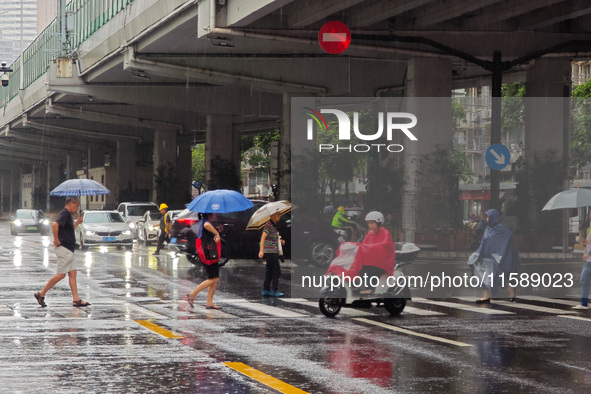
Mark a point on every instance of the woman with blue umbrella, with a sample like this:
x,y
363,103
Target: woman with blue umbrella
x,y
208,238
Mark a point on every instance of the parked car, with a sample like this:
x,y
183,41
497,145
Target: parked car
x,y
103,228
132,212
29,221
148,227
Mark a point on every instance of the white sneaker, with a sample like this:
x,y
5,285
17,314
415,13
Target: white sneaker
x,y
581,307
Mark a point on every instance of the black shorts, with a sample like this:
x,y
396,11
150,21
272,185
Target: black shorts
x,y
212,271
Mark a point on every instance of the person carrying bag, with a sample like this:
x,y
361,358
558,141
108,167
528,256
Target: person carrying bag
x,y
208,245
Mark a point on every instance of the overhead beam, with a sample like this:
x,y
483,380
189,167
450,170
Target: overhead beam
x,y
502,11
442,11
32,147
100,117
558,13
163,69
90,134
306,13
245,12
53,141
370,14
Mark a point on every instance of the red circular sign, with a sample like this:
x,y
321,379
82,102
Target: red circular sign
x,y
334,37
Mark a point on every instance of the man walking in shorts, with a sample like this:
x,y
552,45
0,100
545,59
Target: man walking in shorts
x,y
64,240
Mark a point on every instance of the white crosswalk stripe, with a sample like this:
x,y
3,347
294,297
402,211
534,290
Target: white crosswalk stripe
x,y
549,300
529,307
263,308
463,307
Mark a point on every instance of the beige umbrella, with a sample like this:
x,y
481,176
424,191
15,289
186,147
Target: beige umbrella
x,y
263,214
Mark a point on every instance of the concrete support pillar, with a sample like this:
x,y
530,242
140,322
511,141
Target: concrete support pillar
x,y
285,150
166,151
546,83
426,78
183,165
222,154
96,157
73,164
547,117
126,179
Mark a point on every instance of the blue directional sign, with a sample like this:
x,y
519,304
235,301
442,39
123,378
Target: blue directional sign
x,y
497,156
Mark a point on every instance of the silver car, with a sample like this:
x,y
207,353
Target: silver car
x,y
29,221
148,227
104,228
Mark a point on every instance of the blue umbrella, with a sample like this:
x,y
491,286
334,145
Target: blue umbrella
x,y
220,201
79,187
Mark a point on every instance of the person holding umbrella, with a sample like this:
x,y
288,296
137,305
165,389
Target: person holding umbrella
x,y
64,238
208,242
267,218
64,241
586,272
207,233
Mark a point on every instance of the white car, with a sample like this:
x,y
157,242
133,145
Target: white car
x,y
132,212
148,227
103,228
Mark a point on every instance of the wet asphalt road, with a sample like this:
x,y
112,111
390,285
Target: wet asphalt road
x,y
122,342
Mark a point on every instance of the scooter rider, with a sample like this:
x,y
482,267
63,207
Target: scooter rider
x,y
378,235
339,221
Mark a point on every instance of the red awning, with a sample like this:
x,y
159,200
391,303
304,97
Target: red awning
x,y
475,194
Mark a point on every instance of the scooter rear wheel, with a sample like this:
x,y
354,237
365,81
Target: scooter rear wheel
x,y
395,306
330,307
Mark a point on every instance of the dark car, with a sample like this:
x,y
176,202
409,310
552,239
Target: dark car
x,y
29,221
239,243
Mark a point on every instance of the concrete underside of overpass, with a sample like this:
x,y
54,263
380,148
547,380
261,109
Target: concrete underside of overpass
x,y
161,76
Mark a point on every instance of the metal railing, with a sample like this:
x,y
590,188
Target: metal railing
x,y
89,16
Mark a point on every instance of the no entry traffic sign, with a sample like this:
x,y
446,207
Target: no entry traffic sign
x,y
334,37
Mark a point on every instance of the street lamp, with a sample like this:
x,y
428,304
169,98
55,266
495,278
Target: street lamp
x,y
5,70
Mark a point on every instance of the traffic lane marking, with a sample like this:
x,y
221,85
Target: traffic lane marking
x,y
263,378
409,332
157,329
575,317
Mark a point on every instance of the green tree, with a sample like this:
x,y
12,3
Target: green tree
x,y
580,153
198,163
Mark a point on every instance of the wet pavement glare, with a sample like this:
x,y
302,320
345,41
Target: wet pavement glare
x,y
104,348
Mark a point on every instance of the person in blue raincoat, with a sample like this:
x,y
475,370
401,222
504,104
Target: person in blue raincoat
x,y
496,254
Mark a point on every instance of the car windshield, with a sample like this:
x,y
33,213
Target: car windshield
x,y
139,210
154,216
26,214
103,217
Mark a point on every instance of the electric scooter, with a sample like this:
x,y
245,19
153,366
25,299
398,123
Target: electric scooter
x,y
391,292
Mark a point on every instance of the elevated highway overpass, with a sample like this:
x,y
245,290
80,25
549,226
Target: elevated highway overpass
x,y
142,81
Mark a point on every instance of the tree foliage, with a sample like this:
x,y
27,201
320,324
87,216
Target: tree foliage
x,y
512,105
580,153
198,163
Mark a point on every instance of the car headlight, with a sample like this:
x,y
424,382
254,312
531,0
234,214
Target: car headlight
x,y
89,232
126,232
131,225
17,223
151,228
46,222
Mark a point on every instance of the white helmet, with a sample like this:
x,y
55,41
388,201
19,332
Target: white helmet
x,y
375,216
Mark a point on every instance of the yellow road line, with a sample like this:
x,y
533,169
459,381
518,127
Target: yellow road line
x,y
157,329
575,317
265,379
409,332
